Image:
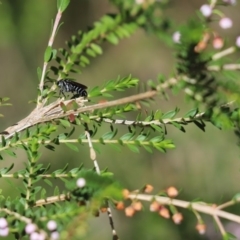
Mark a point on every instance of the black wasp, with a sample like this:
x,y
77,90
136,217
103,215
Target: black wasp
x,y
68,85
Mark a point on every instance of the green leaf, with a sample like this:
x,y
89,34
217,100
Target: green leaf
x,y
65,123
133,148
191,113
96,48
201,125
169,114
72,146
48,54
48,182
112,38
43,193
9,152
62,5
56,191
39,73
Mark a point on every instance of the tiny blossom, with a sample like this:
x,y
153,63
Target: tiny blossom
x,y
4,231
218,42
30,228
148,188
137,206
125,193
154,206
206,10
201,228
164,212
3,223
51,225
119,205
55,235
81,182
177,218
176,37
238,41
225,23
129,211
34,236
172,192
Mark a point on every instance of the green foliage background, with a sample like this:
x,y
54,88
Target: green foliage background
x,y
204,165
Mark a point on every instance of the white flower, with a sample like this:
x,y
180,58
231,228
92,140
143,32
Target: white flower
x,y
4,231
206,10
54,236
238,41
176,37
35,236
3,223
225,23
81,182
30,228
51,225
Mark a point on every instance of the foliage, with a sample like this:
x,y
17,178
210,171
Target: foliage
x,y
46,210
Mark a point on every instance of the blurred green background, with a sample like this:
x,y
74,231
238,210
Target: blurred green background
x,y
204,165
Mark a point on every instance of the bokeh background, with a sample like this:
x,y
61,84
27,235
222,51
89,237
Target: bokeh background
x,y
204,165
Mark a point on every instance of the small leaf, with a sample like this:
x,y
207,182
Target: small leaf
x,y
48,182
191,113
50,147
169,114
62,5
112,38
133,148
65,123
39,73
96,48
200,125
48,54
72,146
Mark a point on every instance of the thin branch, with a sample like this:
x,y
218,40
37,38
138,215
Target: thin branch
x,y
53,199
16,215
229,67
45,64
220,226
55,111
109,211
200,207
223,53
